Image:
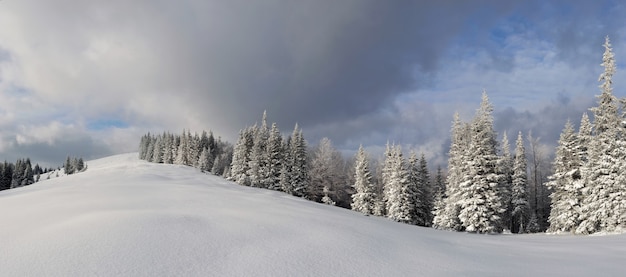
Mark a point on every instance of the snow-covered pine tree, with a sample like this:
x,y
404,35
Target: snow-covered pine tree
x,y
414,207
399,198
259,157
519,202
275,154
157,151
425,194
364,198
565,183
241,157
203,160
447,214
299,165
181,154
505,168
168,157
481,204
603,184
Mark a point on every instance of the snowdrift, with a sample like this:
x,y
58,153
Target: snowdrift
x,y
126,217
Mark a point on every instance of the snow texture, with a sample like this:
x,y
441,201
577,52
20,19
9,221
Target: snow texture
x,y
127,217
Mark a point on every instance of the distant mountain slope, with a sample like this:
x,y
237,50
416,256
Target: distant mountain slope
x,y
126,217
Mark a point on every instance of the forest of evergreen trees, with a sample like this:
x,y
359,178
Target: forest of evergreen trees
x,y
22,173
201,151
487,188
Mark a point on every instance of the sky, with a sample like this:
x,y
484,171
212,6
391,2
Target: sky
x,y
88,78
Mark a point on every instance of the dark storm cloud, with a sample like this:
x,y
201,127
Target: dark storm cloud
x,y
321,61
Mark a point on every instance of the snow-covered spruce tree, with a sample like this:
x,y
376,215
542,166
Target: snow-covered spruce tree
x,y
241,157
181,153
604,190
168,157
203,161
398,196
415,206
566,183
143,146
258,157
364,198
275,154
481,204
520,208
296,175
420,203
426,192
447,214
505,168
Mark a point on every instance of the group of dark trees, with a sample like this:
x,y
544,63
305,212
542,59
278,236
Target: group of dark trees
x,y
19,174
74,165
201,151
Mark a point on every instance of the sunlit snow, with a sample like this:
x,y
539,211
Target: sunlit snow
x,y
126,217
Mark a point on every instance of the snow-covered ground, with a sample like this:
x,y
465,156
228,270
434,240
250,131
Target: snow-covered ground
x,y
126,217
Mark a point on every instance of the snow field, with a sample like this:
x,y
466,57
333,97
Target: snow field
x,y
127,217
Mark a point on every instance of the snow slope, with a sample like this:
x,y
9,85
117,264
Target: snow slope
x,y
126,217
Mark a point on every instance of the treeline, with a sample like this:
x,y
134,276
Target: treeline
x,y
398,188
487,188
19,174
200,151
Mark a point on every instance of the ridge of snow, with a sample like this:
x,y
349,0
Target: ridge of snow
x,y
127,217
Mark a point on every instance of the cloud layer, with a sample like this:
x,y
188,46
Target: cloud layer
x,y
90,77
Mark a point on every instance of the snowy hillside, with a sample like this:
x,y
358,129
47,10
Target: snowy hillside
x,y
126,217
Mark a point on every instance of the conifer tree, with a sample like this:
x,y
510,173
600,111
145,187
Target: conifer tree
x,y
424,194
241,156
481,204
203,161
447,213
364,198
505,168
566,183
259,157
299,165
519,201
602,204
275,154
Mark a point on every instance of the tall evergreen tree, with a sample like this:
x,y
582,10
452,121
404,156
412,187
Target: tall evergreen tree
x,y
364,198
481,204
566,183
241,157
519,202
275,155
424,194
604,202
396,187
447,214
505,168
299,165
258,169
